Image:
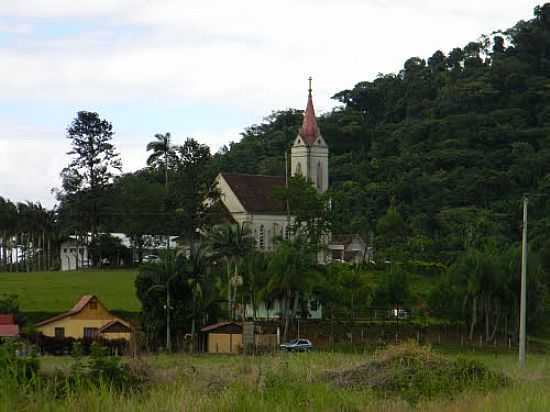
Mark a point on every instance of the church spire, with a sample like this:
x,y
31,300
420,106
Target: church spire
x,y
309,130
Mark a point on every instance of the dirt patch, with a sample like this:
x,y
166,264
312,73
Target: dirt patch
x,y
415,373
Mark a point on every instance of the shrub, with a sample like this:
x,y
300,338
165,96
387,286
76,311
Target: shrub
x,y
415,373
100,368
16,369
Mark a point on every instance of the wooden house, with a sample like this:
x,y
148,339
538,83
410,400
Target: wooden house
x,y
89,318
223,337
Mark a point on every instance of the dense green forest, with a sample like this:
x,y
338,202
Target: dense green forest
x,y
452,142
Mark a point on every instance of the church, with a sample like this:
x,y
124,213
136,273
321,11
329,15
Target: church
x,y
248,199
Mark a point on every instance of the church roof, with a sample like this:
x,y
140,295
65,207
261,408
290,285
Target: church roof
x,y
255,192
309,130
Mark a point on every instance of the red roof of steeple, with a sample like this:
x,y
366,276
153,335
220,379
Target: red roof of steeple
x,y
309,130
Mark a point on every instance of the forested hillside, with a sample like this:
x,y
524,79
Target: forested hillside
x,y
452,142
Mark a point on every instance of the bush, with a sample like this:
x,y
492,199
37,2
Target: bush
x,y
16,369
416,373
64,346
100,368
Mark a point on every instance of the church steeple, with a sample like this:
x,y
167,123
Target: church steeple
x,y
309,130
309,153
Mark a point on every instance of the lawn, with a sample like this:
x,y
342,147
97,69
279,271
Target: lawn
x,y
59,291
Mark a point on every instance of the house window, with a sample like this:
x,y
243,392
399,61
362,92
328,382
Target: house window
x,y
276,230
59,332
65,250
299,169
262,237
287,232
90,332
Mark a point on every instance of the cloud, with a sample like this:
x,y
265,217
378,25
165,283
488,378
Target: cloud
x,y
245,56
253,54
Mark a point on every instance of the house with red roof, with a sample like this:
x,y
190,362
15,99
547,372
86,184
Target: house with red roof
x,y
8,326
88,318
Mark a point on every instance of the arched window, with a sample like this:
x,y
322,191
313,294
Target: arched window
x,y
287,232
319,176
299,169
276,232
262,237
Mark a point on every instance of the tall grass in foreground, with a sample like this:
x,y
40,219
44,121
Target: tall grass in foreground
x,y
268,383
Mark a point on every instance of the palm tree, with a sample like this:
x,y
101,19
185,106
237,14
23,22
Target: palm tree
x,y
255,276
162,274
195,267
163,153
292,270
231,242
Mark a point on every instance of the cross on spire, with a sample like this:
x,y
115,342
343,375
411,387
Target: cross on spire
x,y
309,79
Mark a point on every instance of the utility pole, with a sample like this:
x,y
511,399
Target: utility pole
x,y
523,299
168,337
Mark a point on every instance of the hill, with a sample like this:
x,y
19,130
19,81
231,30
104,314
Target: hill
x,y
45,293
452,141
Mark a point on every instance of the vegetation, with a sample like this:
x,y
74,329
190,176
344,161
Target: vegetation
x,y
268,383
428,164
415,373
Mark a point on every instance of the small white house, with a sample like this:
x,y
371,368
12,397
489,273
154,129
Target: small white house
x,y
350,249
265,311
73,256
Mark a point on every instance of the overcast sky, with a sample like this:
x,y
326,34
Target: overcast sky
x,y
200,68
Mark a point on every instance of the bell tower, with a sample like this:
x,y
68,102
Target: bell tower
x,y
309,153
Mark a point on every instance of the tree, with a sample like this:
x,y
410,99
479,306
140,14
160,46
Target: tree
x,y
293,271
160,288
92,168
255,278
192,196
200,278
311,216
231,242
139,202
162,154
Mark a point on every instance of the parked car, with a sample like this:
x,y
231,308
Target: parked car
x,y
151,259
297,345
402,314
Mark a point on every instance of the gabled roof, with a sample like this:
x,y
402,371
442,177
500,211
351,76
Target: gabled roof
x,y
255,192
219,325
309,130
9,331
7,319
81,304
345,239
115,326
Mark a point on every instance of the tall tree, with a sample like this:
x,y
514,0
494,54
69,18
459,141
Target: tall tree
x,y
162,153
231,243
93,165
292,267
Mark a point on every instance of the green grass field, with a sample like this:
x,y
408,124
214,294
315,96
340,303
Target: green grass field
x,y
59,291
282,382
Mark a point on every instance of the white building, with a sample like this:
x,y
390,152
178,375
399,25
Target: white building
x,y
249,201
74,254
249,198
